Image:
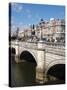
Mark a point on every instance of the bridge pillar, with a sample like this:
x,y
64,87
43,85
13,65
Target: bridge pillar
x,y
17,52
40,69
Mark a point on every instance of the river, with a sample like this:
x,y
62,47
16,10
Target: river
x,y
24,74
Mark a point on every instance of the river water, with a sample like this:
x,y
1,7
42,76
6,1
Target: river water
x,y
24,74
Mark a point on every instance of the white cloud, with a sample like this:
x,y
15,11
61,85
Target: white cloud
x,y
17,7
13,28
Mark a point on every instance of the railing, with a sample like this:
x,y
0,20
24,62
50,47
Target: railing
x,y
51,44
45,44
48,47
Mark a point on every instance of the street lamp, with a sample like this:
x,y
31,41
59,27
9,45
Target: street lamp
x,y
41,29
41,33
17,32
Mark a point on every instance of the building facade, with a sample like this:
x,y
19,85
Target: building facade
x,y
51,31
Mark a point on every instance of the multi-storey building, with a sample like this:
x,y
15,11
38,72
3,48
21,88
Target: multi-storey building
x,y
52,30
21,34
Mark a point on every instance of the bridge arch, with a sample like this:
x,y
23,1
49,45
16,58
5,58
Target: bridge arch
x,y
27,56
56,69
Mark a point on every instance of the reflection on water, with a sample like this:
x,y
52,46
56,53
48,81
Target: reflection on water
x,y
24,74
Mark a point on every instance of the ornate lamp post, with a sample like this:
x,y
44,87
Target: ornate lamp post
x,y
40,32
41,29
17,32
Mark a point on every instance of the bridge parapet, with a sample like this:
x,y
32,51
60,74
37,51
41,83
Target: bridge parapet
x,y
35,44
49,47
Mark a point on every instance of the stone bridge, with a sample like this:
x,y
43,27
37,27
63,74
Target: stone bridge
x,y
48,57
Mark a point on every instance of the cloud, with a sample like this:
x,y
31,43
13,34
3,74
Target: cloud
x,y
13,28
17,7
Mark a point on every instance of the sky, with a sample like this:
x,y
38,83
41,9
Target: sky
x,y
24,15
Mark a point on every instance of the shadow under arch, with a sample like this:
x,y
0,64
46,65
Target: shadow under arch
x,y
58,71
13,51
27,56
